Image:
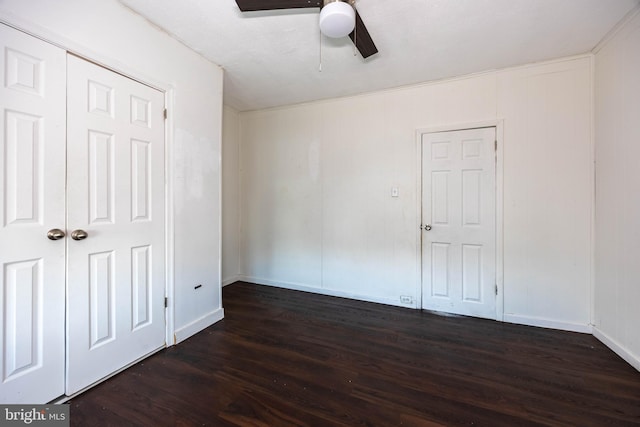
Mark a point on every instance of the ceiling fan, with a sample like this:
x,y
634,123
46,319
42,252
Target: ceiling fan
x,y
338,18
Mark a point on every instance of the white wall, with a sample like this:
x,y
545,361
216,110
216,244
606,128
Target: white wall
x,y
548,194
316,180
108,33
617,121
230,195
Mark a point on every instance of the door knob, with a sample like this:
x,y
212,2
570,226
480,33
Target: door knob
x,y
79,235
427,227
55,234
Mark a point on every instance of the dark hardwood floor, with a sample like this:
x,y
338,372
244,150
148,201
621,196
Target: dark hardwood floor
x,y
287,358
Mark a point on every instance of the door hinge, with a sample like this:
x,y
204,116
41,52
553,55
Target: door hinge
x,y
166,302
165,114
496,287
495,143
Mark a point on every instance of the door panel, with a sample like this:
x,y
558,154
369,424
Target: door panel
x,y
115,178
458,261
32,276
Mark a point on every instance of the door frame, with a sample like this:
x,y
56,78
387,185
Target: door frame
x,y
498,124
109,63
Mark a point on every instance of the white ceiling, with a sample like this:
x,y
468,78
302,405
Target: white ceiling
x,y
272,58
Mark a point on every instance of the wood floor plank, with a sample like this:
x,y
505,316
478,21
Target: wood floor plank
x,y
287,358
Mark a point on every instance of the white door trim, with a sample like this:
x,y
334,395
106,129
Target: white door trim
x,y
499,125
126,70
169,218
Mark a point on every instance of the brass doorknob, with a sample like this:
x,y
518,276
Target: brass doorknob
x,y
55,234
79,235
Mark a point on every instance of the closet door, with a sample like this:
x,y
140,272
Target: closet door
x,y
32,168
115,193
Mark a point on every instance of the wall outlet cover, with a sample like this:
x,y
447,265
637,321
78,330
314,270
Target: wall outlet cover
x,y
405,299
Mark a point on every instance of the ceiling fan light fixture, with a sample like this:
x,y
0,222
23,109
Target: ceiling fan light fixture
x,y
337,19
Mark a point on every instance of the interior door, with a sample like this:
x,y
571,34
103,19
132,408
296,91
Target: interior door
x,y
459,222
115,205
32,156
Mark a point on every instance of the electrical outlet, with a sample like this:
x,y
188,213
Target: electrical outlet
x,y
405,299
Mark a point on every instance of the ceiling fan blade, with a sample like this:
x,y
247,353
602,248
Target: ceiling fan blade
x,y
253,5
362,39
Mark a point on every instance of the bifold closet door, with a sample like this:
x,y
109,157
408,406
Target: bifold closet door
x,y
32,276
115,219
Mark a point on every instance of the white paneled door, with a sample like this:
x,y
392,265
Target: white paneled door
x,y
115,205
459,222
32,279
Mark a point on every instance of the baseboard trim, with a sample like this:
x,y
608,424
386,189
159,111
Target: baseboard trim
x,y
198,325
324,291
230,280
548,323
617,348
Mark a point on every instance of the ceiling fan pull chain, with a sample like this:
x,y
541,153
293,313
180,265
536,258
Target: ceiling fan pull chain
x,y
320,66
